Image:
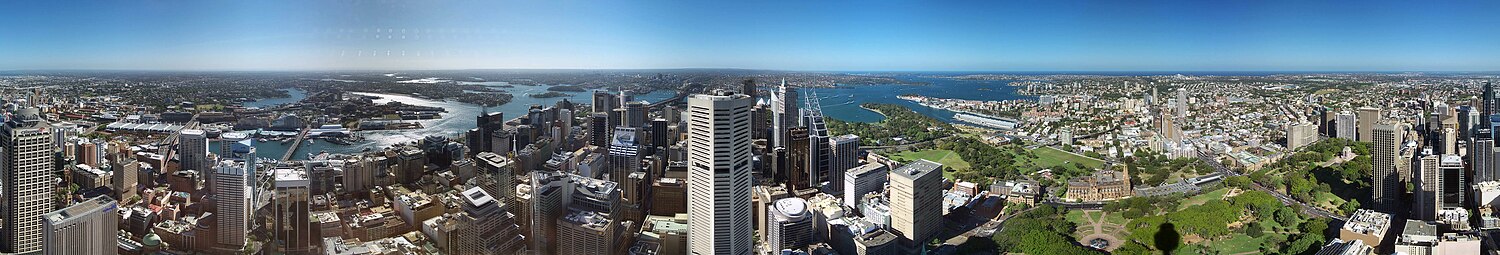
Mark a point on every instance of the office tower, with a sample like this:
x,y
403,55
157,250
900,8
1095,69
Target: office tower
x,y
1182,101
916,200
624,154
232,197
599,130
126,175
1428,189
1300,134
1451,182
594,195
291,227
193,154
617,117
659,136
503,141
227,142
747,88
798,174
551,193
27,169
845,156
590,232
783,113
635,114
817,137
760,122
1368,116
1467,119
789,225
502,174
1345,126
719,174
1387,183
1447,141
862,180
486,227
605,102
84,228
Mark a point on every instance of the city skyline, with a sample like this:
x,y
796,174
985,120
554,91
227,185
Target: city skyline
x,y
884,36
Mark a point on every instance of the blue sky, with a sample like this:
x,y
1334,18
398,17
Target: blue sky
x,y
781,35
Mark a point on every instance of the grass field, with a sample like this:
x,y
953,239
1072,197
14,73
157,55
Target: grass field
x,y
1202,198
1049,157
946,157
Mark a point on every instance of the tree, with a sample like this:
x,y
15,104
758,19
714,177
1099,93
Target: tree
x,y
1254,230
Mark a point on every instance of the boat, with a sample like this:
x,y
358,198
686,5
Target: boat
x,y
263,140
310,141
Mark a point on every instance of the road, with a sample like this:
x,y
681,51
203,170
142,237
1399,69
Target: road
x,y
1286,200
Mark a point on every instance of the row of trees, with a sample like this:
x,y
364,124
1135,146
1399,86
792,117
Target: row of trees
x,y
1043,230
1303,175
1152,168
1215,220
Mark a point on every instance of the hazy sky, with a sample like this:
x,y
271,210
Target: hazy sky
x,y
784,35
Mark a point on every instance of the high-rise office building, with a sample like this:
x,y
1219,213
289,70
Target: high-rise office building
x,y
27,168
659,136
820,153
916,200
1368,116
1300,134
798,173
862,180
719,174
845,156
635,114
747,88
1428,188
291,225
551,192
1345,126
789,225
232,196
599,130
1451,182
605,102
784,113
84,228
590,232
624,154
1387,181
486,226
193,154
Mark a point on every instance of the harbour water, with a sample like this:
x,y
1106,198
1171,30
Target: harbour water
x,y
458,119
842,102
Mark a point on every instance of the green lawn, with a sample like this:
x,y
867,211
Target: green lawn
x,y
1239,243
1201,198
1049,157
946,157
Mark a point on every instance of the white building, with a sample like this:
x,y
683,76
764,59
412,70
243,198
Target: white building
x,y
84,228
790,226
232,195
863,179
917,200
719,174
26,144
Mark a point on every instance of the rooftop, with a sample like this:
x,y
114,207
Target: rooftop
x,y
1368,222
588,219
917,169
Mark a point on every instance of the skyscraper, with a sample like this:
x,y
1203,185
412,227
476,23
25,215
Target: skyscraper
x,y
1428,189
789,224
487,124
291,229
1489,100
605,102
1368,116
1387,183
83,228
1346,126
916,200
845,156
719,174
194,150
599,129
232,197
783,113
27,169
487,228
624,154
747,87
799,174
863,179
817,135
1182,102
635,114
